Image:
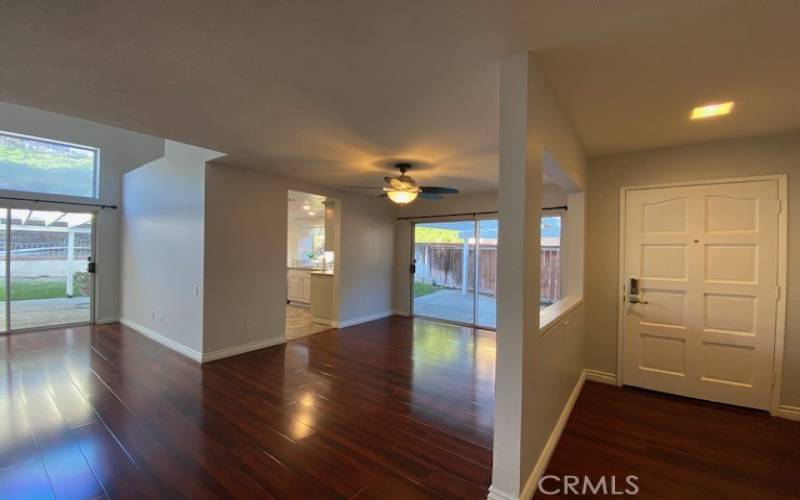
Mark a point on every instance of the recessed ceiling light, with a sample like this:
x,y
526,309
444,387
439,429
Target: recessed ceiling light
x,y
306,207
709,110
311,213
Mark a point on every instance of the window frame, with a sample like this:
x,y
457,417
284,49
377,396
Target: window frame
x,y
95,169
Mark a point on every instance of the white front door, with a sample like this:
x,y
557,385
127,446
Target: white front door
x,y
705,259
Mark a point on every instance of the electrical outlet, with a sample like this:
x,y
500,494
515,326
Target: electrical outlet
x,y
248,325
153,315
196,290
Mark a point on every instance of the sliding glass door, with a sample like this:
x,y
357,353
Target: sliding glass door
x,y
455,270
486,271
47,269
444,280
3,267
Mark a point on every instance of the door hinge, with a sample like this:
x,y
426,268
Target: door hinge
x,y
780,206
779,292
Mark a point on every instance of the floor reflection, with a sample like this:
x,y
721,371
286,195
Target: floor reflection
x,y
395,406
453,373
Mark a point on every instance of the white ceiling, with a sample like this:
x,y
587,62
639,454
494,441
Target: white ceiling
x,y
330,91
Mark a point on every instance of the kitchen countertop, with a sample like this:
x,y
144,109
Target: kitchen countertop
x,y
300,268
322,273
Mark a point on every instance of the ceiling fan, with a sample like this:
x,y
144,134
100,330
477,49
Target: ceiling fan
x,y
403,189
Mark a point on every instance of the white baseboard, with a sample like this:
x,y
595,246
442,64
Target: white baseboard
x,y
786,411
362,319
321,321
550,446
106,321
601,376
495,494
241,349
198,356
789,412
163,340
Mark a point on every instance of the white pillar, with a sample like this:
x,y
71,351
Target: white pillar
x,y
519,204
70,261
535,375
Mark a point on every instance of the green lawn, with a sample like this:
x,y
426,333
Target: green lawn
x,y
422,289
38,288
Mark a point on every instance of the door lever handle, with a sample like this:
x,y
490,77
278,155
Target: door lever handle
x,y
634,299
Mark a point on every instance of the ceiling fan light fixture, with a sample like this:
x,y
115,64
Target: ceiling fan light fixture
x,y
402,197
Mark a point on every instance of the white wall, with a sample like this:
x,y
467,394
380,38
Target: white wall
x,y
366,244
246,246
162,245
120,151
775,154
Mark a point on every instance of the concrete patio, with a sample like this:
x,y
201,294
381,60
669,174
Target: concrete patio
x,y
452,305
46,312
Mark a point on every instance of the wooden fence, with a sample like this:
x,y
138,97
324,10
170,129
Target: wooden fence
x,y
441,264
550,275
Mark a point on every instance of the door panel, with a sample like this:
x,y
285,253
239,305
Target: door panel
x,y
665,216
706,260
306,284
486,315
50,282
4,212
444,278
455,272
295,288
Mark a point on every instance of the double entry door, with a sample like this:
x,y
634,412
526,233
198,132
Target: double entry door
x,y
46,268
454,271
701,271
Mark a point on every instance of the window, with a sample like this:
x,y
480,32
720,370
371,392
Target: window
x,y
550,263
41,166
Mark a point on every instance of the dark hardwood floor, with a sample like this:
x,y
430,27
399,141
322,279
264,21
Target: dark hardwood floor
x,y
391,409
679,448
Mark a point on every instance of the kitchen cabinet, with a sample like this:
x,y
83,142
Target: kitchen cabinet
x,y
322,297
298,285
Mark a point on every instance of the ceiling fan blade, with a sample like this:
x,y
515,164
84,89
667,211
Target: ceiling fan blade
x,y
439,190
361,187
430,196
383,195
